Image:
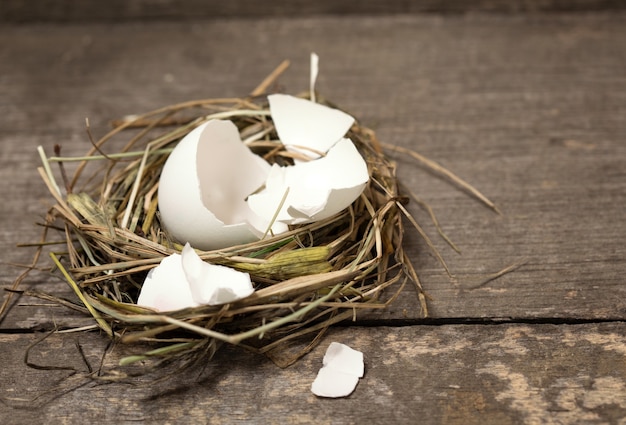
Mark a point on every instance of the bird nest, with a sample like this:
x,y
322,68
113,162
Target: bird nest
x,y
305,280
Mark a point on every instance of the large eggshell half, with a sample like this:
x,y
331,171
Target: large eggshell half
x,y
316,189
204,184
302,123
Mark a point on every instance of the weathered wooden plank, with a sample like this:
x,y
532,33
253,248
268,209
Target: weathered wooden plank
x,y
527,108
506,374
91,10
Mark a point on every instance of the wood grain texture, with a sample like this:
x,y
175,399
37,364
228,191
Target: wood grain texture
x,y
527,109
509,374
20,11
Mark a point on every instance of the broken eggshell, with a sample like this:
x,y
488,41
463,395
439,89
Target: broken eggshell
x,y
340,373
184,280
316,189
214,192
204,184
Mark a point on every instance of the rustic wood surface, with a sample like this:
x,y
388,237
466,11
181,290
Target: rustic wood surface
x,y
528,108
94,10
458,374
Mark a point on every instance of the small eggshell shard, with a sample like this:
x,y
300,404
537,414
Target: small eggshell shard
x,y
316,189
204,184
301,123
184,281
340,373
341,357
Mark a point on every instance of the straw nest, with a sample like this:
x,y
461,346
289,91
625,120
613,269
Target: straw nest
x,y
305,280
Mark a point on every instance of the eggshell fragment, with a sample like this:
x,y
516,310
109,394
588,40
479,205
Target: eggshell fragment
x,y
301,123
340,373
317,189
204,184
184,280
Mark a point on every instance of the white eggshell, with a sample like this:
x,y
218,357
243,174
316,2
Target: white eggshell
x,y
184,281
340,373
213,284
302,123
316,189
204,184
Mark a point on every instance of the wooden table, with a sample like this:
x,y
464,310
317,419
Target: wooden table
x,y
529,108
